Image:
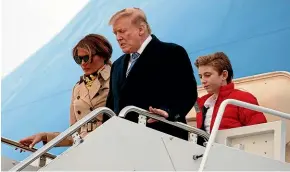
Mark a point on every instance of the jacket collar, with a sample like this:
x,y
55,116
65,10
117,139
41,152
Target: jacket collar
x,y
144,44
226,89
224,92
149,39
104,72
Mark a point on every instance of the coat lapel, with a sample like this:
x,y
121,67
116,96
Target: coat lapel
x,y
84,92
87,94
142,60
94,89
105,74
145,58
124,65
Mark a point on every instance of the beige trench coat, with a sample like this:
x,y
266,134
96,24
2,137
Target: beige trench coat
x,y
84,100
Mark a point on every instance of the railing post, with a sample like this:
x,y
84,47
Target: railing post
x,y
192,137
142,120
77,139
42,161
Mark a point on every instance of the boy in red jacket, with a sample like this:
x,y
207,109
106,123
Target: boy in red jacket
x,y
216,74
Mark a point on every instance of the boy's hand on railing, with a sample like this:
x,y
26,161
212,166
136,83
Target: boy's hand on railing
x,y
32,140
157,112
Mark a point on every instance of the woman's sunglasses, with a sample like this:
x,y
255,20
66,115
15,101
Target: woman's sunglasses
x,y
79,59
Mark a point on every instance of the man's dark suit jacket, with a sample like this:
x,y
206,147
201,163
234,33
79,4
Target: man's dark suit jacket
x,y
162,77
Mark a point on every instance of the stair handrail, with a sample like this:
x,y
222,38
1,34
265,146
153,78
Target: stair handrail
x,y
69,131
143,112
220,115
20,146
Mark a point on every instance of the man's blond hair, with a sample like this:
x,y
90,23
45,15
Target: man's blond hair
x,y
136,14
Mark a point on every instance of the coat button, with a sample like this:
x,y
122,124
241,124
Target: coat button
x,y
78,97
79,112
91,109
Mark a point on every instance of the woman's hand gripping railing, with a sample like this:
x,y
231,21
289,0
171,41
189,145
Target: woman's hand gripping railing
x,y
62,136
13,143
20,146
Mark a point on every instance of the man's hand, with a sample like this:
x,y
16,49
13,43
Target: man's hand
x,y
157,112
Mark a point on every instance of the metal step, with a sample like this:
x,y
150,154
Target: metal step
x,y
122,145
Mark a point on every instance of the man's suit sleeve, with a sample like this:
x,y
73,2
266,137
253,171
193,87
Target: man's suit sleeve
x,y
110,98
182,82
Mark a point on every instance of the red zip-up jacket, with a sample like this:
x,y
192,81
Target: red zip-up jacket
x,y
233,116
